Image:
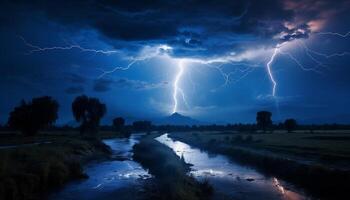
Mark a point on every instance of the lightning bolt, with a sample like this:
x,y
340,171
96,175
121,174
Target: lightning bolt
x,y
324,54
309,52
335,34
219,64
35,48
116,69
278,50
269,71
176,85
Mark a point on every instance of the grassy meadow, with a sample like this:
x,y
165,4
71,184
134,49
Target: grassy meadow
x,y
317,146
317,162
31,166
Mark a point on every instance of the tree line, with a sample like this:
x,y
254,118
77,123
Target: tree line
x,y
42,112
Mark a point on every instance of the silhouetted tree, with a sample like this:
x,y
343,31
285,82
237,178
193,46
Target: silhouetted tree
x,y
32,116
290,125
263,119
89,112
118,123
142,125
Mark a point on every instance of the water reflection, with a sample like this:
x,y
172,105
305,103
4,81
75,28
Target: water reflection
x,y
120,177
229,179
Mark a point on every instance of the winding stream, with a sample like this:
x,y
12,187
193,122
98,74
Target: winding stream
x,y
119,178
231,180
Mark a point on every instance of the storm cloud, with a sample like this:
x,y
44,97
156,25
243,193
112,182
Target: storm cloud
x,y
187,25
104,85
158,33
74,90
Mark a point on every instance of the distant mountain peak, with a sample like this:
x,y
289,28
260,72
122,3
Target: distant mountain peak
x,y
176,114
178,119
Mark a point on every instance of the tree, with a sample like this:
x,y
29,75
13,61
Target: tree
x,y
89,112
263,119
290,125
30,117
118,123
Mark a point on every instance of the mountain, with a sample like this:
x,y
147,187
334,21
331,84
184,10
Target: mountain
x,y
178,119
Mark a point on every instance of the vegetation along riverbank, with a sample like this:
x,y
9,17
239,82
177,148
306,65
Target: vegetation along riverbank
x,y
258,150
30,170
171,179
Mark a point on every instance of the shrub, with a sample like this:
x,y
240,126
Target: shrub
x,y
32,116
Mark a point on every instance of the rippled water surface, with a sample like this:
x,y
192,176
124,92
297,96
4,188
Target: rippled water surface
x,y
113,179
116,179
230,180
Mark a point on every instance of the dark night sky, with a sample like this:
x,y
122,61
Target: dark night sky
x,y
61,48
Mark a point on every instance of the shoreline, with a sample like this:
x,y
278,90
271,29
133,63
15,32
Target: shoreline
x,y
171,180
31,172
317,180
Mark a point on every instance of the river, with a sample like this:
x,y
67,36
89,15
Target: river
x,y
119,178
122,178
229,179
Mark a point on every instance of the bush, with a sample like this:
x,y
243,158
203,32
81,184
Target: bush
x,y
32,116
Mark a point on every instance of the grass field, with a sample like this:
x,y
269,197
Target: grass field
x,y
318,145
317,162
30,166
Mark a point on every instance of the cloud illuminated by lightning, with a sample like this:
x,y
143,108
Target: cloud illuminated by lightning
x,y
151,52
237,61
278,50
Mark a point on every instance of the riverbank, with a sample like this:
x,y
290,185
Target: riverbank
x,y
28,170
171,180
319,180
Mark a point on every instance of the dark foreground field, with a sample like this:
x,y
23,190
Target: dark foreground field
x,y
32,166
318,162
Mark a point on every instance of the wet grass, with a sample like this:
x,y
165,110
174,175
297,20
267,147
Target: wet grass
x,y
28,172
317,178
171,179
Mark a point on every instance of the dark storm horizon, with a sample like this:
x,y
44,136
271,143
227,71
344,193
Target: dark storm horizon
x,y
218,62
